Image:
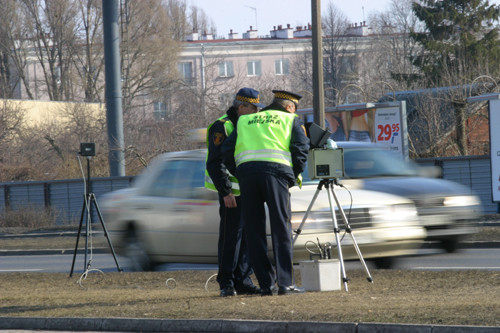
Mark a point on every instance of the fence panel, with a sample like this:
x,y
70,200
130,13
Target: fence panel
x,y
66,196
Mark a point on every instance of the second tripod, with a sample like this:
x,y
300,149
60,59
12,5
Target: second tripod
x,y
329,184
89,202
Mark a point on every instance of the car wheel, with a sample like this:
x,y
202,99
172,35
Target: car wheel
x,y
136,253
450,245
384,262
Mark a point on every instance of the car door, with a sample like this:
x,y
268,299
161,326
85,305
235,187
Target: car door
x,y
181,220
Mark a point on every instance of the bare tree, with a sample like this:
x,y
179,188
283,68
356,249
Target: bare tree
x,y
15,42
11,120
12,117
148,50
339,65
53,25
200,22
88,57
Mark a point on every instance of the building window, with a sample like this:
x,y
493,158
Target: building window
x,y
348,65
281,67
226,69
160,110
254,68
186,71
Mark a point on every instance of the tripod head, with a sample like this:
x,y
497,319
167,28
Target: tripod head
x,y
87,149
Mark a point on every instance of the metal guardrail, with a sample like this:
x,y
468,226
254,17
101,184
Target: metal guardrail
x,y
65,197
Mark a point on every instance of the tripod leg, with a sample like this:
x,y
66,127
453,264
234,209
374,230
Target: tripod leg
x,y
349,231
299,229
84,206
336,230
94,200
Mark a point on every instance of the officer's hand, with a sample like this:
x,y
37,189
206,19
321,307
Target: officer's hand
x,y
230,201
299,181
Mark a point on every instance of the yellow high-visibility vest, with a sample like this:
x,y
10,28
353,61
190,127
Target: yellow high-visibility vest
x,y
274,130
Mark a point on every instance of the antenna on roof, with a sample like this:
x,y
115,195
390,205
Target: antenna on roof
x,y
255,10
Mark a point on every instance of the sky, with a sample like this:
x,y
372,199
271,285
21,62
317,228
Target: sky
x,y
263,15
239,15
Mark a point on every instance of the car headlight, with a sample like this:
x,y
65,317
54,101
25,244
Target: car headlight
x,y
461,200
402,213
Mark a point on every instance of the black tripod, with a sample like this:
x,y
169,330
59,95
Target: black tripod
x,y
88,200
328,184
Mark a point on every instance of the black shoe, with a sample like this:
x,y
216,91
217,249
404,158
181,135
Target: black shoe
x,y
290,290
248,289
228,291
268,291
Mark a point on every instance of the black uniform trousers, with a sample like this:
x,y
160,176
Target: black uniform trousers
x,y
257,189
234,264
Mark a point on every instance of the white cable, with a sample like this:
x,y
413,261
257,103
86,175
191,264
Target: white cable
x,y
310,251
86,273
208,280
171,283
89,227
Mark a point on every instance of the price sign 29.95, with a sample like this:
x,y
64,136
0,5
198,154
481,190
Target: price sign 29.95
x,y
388,127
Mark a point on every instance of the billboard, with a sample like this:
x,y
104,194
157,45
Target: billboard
x,y
383,123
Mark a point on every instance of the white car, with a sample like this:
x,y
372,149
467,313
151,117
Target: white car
x,y
168,216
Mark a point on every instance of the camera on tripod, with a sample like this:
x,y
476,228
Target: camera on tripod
x,y
326,162
323,162
87,149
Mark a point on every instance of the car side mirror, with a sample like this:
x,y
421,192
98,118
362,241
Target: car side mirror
x,y
430,171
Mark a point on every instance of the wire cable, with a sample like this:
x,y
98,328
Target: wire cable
x,y
87,202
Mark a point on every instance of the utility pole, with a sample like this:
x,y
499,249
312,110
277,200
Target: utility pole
x,y
317,46
113,90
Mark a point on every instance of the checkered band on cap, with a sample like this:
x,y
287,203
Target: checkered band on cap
x,y
247,99
284,95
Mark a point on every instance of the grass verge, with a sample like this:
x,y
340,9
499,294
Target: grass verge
x,y
417,297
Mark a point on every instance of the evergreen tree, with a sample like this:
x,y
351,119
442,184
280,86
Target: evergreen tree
x,y
460,43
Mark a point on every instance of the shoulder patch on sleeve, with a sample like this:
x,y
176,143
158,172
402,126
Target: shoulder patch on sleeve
x,y
218,138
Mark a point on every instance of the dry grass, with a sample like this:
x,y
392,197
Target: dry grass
x,y
451,298
418,297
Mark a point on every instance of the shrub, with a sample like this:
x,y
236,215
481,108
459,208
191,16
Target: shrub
x,y
31,217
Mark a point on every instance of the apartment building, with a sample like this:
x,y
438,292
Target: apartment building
x,y
216,67
281,59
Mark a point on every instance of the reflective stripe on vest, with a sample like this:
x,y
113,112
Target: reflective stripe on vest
x,y
274,130
209,184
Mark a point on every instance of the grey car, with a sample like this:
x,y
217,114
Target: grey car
x,y
446,209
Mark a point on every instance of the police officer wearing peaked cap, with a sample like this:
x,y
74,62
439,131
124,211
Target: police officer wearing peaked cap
x,y
234,265
267,152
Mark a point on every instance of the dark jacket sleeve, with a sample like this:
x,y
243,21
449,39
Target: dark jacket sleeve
x,y
299,147
215,166
228,148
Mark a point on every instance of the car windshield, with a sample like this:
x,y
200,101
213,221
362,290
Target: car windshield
x,y
365,163
369,162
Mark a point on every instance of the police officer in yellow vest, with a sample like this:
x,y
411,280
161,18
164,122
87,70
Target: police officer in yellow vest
x,y
268,152
234,265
